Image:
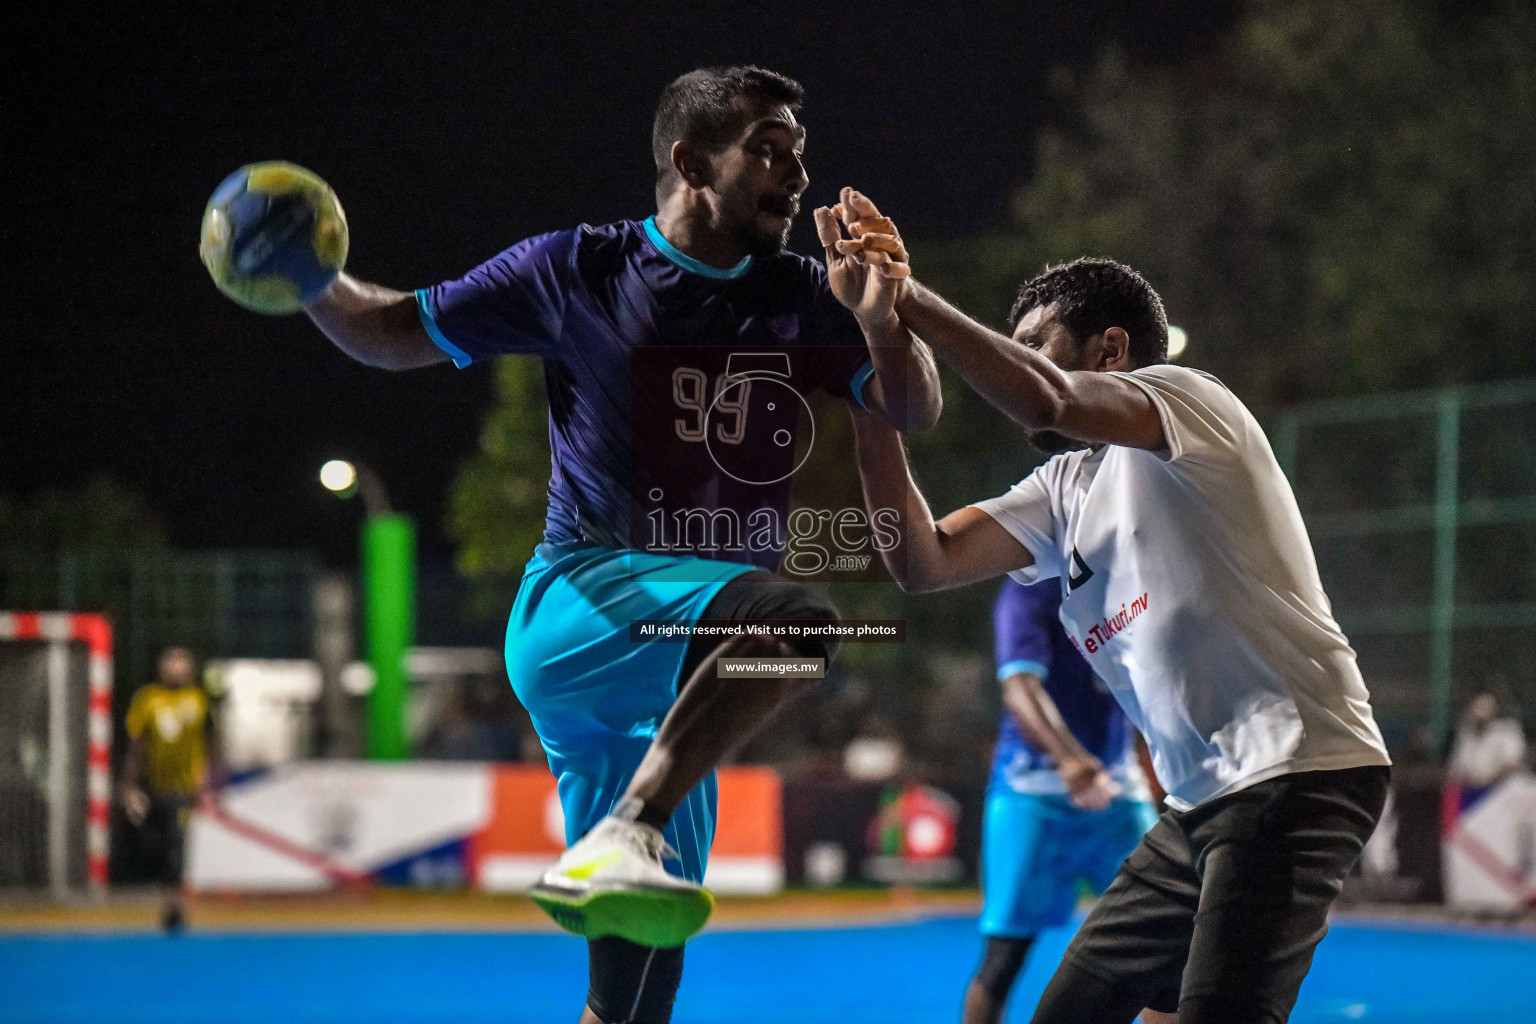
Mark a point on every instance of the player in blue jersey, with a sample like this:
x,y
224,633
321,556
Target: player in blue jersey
x,y
677,351
1067,801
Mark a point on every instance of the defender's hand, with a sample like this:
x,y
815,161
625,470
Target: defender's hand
x,y
865,276
1089,786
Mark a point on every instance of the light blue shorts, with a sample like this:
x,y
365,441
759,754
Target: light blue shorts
x,y
597,698
1035,850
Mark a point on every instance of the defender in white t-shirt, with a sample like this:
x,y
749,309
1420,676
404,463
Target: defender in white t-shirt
x,y
1190,586
1192,591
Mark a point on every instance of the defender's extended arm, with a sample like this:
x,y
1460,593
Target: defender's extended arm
x,y
965,546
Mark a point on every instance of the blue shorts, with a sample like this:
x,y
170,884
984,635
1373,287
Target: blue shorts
x,y
1035,850
595,697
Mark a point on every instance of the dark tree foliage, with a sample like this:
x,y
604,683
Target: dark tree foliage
x,y
1335,199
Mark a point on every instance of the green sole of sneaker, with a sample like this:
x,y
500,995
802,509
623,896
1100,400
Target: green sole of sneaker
x,y
649,917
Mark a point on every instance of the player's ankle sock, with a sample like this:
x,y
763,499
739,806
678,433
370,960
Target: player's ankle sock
x,y
632,808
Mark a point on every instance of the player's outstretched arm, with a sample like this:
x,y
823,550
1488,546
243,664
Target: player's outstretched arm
x,y
374,325
1012,376
913,401
1097,408
904,390
965,546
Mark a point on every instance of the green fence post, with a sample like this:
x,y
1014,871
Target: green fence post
x,y
68,576
1443,614
138,642
1286,431
389,594
225,628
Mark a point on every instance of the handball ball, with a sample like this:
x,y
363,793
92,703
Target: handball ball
x,y
274,237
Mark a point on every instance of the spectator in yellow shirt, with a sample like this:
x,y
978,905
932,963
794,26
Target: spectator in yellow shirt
x,y
169,762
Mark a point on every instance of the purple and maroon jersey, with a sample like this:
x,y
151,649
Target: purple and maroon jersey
x,y
675,388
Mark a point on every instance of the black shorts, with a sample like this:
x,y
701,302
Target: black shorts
x,y
1218,910
760,594
163,836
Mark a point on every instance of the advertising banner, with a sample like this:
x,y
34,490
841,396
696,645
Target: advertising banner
x,y
322,824
1490,845
839,832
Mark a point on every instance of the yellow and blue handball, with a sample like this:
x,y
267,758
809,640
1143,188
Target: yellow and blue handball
x,y
274,237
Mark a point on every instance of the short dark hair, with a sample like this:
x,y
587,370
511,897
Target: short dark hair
x,y
700,108
1092,295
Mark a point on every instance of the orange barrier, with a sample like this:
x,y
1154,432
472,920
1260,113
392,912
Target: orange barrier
x,y
526,831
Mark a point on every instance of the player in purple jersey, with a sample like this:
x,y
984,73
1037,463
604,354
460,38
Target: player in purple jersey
x,y
1067,800
676,353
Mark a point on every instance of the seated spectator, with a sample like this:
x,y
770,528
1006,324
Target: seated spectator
x,y
1488,749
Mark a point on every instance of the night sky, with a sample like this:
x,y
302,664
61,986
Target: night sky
x,y
449,133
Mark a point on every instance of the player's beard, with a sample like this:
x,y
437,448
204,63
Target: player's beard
x,y
759,241
1052,443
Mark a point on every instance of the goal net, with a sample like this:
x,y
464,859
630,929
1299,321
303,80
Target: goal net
x,y
55,750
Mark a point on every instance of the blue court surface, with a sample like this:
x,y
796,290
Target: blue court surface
x,y
909,972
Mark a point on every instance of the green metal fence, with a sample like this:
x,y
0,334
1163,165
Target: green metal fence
x,y
227,603
1422,509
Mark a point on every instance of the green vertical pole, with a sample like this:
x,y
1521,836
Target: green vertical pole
x,y
1443,614
389,594
67,578
224,590
1286,430
139,663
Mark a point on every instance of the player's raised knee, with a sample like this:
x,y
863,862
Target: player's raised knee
x,y
820,619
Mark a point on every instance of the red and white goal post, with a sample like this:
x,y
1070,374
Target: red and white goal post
x,y
56,671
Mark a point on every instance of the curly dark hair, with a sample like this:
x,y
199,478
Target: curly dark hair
x,y
1092,295
700,107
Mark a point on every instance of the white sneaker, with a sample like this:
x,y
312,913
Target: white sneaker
x,y
612,883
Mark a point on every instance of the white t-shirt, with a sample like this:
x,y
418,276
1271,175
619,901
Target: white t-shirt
x,y
1482,757
1192,590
